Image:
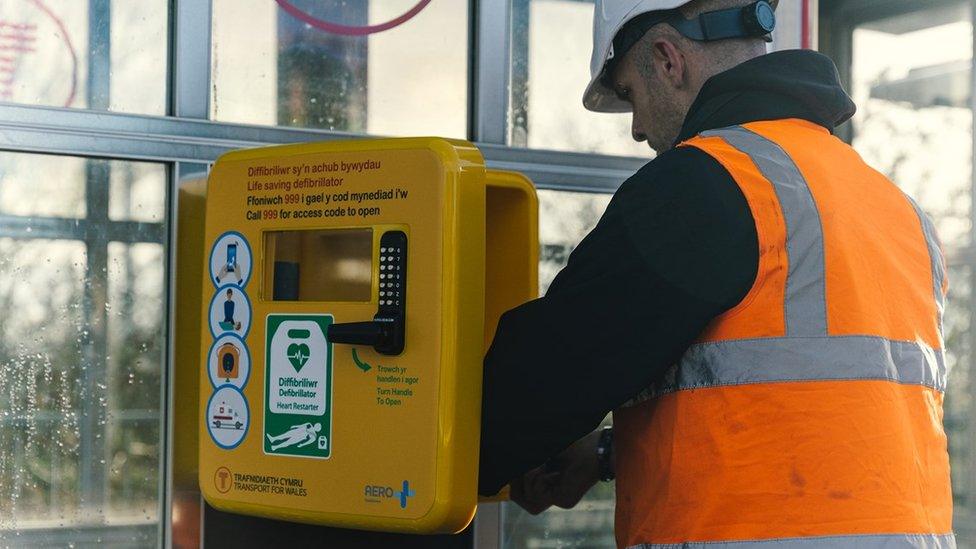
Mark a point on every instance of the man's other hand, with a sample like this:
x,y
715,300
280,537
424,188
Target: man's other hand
x,y
563,481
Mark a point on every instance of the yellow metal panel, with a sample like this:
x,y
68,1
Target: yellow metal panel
x,y
512,252
408,418
512,233
186,381
186,378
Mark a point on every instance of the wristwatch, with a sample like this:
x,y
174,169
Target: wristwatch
x,y
604,454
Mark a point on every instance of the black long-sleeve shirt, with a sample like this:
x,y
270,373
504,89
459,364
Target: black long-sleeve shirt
x,y
676,247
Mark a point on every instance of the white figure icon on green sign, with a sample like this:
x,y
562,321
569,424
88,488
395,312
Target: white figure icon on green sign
x,y
299,435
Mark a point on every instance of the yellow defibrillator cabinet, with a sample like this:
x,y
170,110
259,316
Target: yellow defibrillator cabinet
x,y
348,292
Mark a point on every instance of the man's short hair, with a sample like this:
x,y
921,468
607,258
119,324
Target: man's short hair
x,y
722,53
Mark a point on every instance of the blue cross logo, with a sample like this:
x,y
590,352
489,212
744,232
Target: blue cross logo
x,y
405,493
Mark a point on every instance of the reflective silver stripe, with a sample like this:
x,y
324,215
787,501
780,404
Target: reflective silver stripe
x,y
806,296
892,541
935,255
771,360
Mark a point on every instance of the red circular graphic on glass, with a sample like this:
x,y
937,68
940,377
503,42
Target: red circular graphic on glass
x,y
19,51
350,30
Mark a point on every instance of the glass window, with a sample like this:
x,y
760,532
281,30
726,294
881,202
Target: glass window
x,y
137,193
911,79
99,54
134,359
564,219
82,352
34,185
388,67
552,43
959,402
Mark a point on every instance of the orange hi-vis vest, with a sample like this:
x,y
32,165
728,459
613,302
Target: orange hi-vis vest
x,y
810,415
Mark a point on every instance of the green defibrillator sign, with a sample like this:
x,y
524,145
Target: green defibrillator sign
x,y
298,386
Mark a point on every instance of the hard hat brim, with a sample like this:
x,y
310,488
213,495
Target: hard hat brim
x,y
599,98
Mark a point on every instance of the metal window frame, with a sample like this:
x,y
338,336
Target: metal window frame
x,y
174,139
491,74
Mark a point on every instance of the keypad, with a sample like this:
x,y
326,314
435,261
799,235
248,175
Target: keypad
x,y
393,248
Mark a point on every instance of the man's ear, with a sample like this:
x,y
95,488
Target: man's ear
x,y
670,63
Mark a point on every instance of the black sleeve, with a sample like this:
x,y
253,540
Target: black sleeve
x,y
676,247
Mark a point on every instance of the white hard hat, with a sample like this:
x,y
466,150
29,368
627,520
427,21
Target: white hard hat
x,y
609,16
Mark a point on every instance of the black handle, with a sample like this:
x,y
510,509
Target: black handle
x,y
356,333
386,332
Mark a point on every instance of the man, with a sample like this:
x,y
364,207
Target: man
x,y
760,309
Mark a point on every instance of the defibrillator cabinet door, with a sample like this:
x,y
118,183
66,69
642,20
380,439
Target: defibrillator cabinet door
x,y
343,334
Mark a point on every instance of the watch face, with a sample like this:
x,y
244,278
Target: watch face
x,y
765,17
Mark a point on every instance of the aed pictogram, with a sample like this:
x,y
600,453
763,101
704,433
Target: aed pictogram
x,y
229,358
298,386
229,362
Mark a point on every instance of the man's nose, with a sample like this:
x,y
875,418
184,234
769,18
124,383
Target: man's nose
x,y
636,132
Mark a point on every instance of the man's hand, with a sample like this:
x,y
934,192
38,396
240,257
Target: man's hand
x,y
533,491
563,481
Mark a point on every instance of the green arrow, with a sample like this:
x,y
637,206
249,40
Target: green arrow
x,y
359,363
